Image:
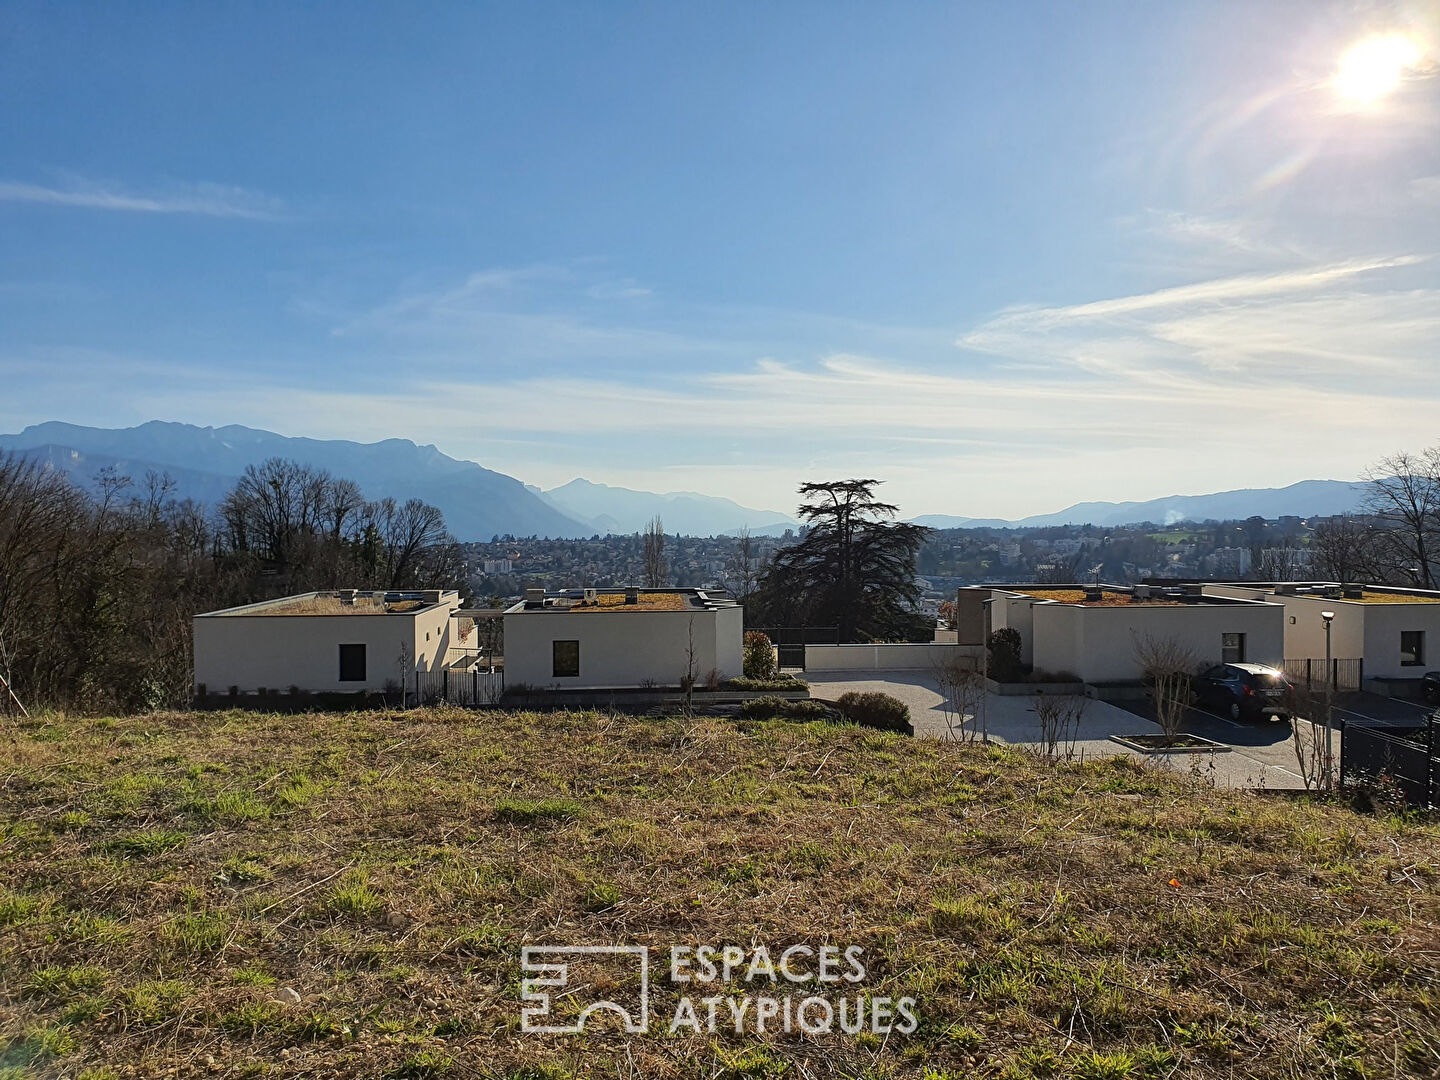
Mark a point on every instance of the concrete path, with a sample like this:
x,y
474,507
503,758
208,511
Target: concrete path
x,y
1260,756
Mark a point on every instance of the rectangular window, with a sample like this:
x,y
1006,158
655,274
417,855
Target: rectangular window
x,y
1412,648
1232,648
567,659
352,663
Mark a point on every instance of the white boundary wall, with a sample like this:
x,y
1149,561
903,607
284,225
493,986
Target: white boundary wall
x,y
904,657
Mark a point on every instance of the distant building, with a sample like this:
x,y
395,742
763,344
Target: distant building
x,y
497,566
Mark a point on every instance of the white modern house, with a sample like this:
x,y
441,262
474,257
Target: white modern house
x,y
1093,632
323,642
1394,632
616,639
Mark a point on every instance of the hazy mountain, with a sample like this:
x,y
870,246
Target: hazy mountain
x,y
621,510
84,469
1308,498
477,502
948,521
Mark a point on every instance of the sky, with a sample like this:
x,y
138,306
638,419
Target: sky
x,y
1003,257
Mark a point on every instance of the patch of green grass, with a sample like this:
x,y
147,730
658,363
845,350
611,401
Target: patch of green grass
x,y
353,896
536,811
195,933
149,842
64,982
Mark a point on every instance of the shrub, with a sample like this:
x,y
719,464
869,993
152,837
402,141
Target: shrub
x,y
759,657
877,711
767,708
777,682
1004,645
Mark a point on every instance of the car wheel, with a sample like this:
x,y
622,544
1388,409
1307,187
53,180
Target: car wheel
x,y
1235,710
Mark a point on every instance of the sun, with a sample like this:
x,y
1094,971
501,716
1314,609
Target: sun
x,y
1374,67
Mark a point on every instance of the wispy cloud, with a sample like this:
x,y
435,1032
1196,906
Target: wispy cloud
x,y
207,200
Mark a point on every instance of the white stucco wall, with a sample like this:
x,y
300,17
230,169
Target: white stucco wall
x,y
621,648
901,657
1014,611
1305,636
1098,643
1383,625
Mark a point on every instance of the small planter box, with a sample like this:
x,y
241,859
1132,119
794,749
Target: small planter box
x,y
1184,743
1117,691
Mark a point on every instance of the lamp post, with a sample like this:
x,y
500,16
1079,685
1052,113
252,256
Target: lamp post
x,y
1329,617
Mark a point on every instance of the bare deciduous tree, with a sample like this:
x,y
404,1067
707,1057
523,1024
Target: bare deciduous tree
x,y
1168,665
1343,549
656,572
1403,494
1059,716
1280,564
962,686
743,572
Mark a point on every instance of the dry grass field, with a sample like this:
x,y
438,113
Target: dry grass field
x,y
166,882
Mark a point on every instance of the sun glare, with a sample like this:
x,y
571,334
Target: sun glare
x,y
1375,66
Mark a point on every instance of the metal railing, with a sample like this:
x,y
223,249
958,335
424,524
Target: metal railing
x,y
1406,757
456,686
1345,674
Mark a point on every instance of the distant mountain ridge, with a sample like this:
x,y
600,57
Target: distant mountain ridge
x,y
622,510
204,461
1308,498
479,503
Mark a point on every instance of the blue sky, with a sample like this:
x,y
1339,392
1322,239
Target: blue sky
x,y
1005,257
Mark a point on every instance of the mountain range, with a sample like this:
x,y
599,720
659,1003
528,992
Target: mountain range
x,y
1308,498
479,503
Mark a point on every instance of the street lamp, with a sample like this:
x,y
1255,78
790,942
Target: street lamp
x,y
1329,617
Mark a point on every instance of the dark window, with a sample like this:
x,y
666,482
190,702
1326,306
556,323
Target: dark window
x,y
1412,648
1232,648
352,663
567,659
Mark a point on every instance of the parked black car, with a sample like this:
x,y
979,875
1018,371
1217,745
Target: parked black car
x,y
1245,692
1430,686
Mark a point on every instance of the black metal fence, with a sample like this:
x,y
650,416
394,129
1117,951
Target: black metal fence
x,y
1404,756
457,687
1345,675
790,641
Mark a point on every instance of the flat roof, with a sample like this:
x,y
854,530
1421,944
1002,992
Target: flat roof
x,y
612,601
1116,596
338,602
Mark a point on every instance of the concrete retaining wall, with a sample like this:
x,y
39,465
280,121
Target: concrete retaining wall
x,y
916,657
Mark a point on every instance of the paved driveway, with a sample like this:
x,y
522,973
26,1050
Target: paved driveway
x,y
1260,756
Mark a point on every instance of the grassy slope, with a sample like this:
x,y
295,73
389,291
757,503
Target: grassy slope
x,y
163,876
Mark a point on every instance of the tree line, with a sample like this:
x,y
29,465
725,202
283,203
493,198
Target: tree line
x,y
97,588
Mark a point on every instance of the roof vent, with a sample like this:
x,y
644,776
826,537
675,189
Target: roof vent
x,y
534,597
347,596
1093,592
1140,592
1353,592
632,595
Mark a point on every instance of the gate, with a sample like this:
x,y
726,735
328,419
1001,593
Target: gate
x,y
456,686
790,641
